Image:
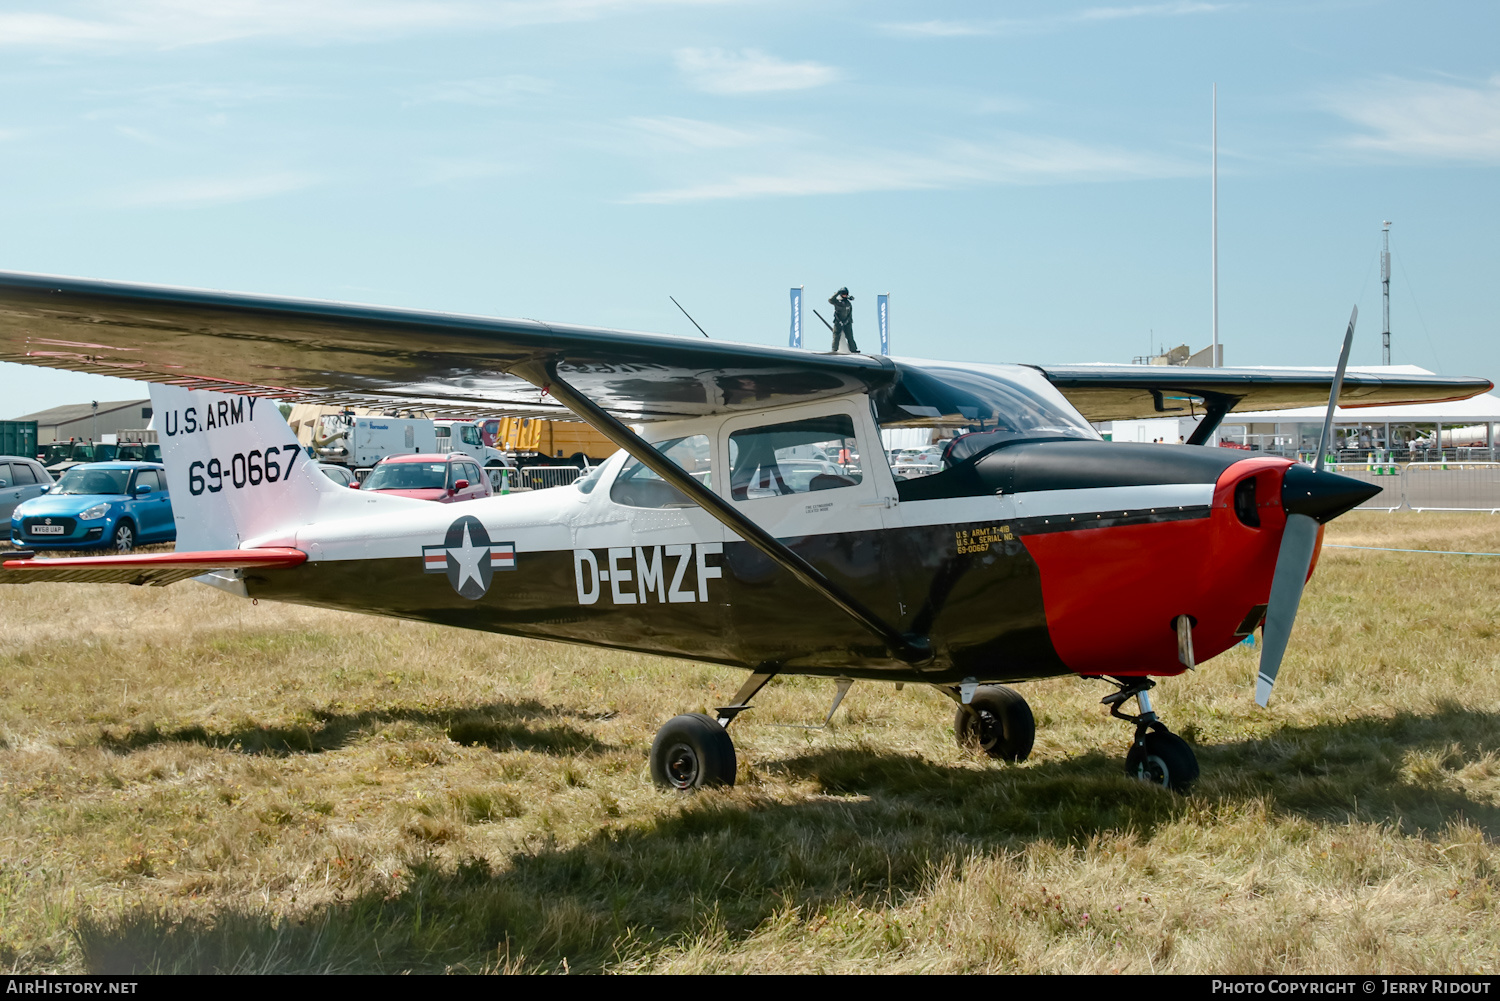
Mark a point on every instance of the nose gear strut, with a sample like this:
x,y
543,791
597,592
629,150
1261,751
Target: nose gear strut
x,y
1156,755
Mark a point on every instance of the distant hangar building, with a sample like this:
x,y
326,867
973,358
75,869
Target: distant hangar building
x,y
83,422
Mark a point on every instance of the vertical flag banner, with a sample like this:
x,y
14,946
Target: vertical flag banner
x,y
795,338
883,307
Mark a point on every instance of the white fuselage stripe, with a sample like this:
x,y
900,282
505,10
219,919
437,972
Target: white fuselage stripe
x,y
1091,500
540,523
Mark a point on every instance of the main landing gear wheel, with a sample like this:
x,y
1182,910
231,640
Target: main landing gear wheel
x,y
692,751
1164,759
998,722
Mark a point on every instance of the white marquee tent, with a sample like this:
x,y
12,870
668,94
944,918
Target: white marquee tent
x,y
1476,416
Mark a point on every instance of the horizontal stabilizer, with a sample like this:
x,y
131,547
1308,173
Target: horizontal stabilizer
x,y
158,569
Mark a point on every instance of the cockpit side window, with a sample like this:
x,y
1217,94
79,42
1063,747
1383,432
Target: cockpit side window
x,y
820,453
638,486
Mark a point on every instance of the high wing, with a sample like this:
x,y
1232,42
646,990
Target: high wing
x,y
337,353
1128,392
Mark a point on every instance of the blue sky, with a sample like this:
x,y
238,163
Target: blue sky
x,y
1030,181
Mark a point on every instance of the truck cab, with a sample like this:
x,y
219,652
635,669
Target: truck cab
x,y
468,437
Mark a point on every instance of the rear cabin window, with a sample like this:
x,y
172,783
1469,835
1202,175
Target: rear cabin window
x,y
798,457
637,486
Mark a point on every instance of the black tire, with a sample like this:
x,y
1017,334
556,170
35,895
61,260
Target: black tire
x,y
1163,759
998,722
123,539
692,751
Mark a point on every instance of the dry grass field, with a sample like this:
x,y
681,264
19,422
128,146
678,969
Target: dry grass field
x,y
189,782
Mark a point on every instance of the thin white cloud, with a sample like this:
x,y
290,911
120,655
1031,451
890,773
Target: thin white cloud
x,y
481,91
694,134
940,29
139,135
1420,119
1006,160
206,191
171,23
749,71
1148,10
1054,22
195,92
453,170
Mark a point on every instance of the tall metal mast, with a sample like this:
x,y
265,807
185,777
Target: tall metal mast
x,y
1215,355
1385,292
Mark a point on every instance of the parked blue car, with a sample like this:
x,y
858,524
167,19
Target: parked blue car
x,y
118,505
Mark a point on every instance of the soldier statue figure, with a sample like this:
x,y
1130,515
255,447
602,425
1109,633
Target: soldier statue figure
x,y
843,319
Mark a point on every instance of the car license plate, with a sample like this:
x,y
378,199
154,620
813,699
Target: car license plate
x,y
46,530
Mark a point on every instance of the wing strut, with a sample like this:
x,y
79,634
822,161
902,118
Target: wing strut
x,y
909,648
1217,406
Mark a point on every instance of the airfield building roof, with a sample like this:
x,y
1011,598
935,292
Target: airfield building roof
x,y
78,411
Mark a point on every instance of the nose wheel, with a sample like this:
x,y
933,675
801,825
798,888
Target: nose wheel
x,y
1156,755
1162,759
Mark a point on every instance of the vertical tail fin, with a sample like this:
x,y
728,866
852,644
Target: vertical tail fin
x,y
235,471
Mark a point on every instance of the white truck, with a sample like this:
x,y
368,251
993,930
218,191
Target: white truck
x,y
360,442
468,437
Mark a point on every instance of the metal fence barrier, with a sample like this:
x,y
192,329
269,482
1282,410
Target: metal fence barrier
x,y
1387,478
544,477
1429,486
1452,486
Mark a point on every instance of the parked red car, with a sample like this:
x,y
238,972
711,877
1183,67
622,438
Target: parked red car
x,y
443,478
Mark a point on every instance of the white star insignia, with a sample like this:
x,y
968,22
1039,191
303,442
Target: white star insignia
x,y
468,556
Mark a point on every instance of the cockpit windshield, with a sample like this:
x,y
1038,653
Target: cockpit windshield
x,y
940,414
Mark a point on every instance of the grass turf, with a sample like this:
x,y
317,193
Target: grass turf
x,y
189,782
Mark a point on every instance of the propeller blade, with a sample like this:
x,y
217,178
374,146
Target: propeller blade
x,y
1301,500
1292,563
1333,393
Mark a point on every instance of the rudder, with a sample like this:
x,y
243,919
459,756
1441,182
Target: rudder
x,y
235,471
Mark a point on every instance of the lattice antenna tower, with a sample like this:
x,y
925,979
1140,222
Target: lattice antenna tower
x,y
1385,292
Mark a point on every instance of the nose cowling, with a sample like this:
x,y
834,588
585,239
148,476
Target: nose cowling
x,y
1322,495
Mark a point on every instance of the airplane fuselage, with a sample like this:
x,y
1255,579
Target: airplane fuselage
x,y
1042,558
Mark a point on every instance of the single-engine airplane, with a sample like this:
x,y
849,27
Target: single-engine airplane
x,y
750,519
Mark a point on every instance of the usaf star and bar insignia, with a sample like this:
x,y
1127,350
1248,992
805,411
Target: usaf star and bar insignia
x,y
468,557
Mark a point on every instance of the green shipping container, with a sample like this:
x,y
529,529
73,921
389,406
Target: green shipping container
x,y
18,438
